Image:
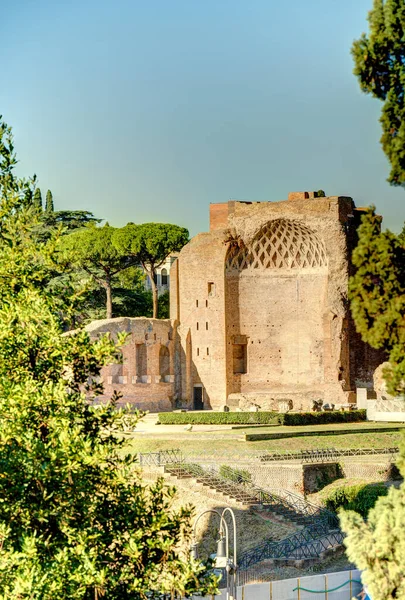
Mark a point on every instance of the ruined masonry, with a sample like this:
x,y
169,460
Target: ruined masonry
x,y
259,314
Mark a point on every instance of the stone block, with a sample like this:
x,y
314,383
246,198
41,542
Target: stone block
x,y
298,196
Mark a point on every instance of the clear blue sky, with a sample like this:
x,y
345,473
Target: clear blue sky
x,y
148,110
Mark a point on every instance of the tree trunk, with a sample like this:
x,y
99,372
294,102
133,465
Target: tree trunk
x,y
151,276
109,298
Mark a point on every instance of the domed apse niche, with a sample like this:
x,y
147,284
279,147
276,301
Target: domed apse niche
x,y
275,298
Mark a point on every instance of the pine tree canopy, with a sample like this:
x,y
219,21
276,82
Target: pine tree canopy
x,y
379,60
150,244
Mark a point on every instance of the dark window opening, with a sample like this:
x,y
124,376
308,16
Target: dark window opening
x,y
239,358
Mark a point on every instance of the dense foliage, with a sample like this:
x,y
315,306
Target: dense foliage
x,y
260,418
91,249
361,497
150,244
217,418
379,60
378,545
76,520
321,418
377,295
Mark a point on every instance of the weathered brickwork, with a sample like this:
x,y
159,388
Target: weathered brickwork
x,y
261,306
259,314
145,378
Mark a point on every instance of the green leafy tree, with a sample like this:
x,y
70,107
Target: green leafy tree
x,y
377,295
129,296
10,185
164,305
92,250
150,244
378,545
380,68
49,207
76,520
37,200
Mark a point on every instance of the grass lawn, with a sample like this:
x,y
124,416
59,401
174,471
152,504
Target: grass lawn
x,y
196,442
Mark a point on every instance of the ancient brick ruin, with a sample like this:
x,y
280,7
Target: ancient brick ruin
x,y
259,314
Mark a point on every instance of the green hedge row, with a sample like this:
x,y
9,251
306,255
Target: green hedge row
x,y
360,498
320,418
218,418
260,418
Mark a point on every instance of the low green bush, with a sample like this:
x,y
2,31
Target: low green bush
x,y
260,418
322,418
218,418
236,475
360,498
193,468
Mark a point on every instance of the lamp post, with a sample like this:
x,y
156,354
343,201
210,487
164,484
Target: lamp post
x,y
222,559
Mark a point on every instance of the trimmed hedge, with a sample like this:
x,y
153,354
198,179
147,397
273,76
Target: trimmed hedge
x,y
260,418
218,418
322,418
360,498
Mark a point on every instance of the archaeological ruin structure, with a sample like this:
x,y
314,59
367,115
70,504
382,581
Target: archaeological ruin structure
x,y
259,314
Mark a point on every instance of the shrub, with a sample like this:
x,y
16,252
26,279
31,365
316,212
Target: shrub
x,y
320,418
360,498
219,418
260,418
236,475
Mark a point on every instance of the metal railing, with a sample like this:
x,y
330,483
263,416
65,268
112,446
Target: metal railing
x,y
304,456
327,454
310,542
159,459
321,526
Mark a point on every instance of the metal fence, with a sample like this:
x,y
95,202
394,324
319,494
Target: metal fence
x,y
320,455
328,454
159,459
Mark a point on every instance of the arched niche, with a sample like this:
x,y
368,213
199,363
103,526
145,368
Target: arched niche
x,y
280,244
164,362
276,288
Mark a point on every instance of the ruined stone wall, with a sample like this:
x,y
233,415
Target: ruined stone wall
x,y
145,377
200,310
261,302
293,312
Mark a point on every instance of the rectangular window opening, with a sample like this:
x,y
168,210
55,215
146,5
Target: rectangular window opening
x,y
211,288
239,358
198,352
196,303
197,326
208,351
206,325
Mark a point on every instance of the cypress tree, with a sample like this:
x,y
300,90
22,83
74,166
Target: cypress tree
x,y
380,68
49,208
38,199
377,295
